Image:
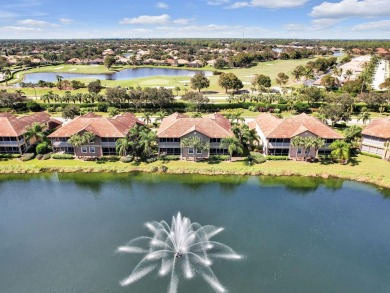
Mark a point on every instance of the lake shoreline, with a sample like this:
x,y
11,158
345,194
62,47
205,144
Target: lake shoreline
x,y
378,179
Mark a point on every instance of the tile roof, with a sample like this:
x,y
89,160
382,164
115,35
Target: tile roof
x,y
274,127
378,128
117,126
11,125
178,125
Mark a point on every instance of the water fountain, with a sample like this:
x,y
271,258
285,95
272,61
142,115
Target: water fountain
x,y
182,251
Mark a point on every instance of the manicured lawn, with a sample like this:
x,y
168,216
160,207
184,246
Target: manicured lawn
x,y
362,168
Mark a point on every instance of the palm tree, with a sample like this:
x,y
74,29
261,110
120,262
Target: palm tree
x,y
76,140
341,150
146,118
161,116
298,143
122,146
233,145
364,116
35,131
317,143
19,93
195,143
387,149
6,74
348,74
88,137
148,141
177,89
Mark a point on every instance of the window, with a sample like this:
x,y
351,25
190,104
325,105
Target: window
x,y
199,151
170,151
84,150
299,152
214,140
92,150
191,151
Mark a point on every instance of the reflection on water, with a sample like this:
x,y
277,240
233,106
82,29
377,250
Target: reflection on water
x,y
301,185
59,232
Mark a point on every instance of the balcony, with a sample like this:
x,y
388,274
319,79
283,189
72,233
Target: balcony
x,y
274,145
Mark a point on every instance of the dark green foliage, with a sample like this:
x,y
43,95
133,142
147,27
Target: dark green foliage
x,y
278,158
169,158
62,157
42,148
33,106
371,155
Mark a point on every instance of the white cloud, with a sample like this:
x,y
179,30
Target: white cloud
x,y
217,2
294,27
147,20
182,21
350,8
323,23
383,25
269,4
162,5
36,23
66,20
164,19
18,29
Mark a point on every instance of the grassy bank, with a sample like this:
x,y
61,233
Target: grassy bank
x,y
362,169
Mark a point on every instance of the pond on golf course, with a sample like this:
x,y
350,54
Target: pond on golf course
x,y
125,74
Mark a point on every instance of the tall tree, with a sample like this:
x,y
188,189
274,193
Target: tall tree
x,y
199,81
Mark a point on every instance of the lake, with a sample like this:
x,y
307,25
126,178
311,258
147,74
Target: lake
x,y
125,74
59,232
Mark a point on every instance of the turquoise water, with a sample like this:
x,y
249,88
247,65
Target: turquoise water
x,y
58,233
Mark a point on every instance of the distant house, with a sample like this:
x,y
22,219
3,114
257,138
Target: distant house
x,y
13,129
195,64
376,138
107,131
74,61
211,129
276,134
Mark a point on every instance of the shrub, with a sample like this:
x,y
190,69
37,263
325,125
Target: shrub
x,y
277,158
371,155
46,156
33,106
164,169
42,148
219,158
151,160
102,107
39,157
257,158
154,169
108,159
62,157
27,157
169,158
9,156
127,159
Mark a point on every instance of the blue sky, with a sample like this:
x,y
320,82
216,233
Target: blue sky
x,y
338,19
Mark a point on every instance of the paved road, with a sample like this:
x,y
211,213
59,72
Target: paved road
x,y
380,74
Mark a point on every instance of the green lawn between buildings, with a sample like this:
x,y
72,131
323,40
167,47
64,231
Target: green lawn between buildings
x,y
271,69
362,168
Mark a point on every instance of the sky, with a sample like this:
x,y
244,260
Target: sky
x,y
313,19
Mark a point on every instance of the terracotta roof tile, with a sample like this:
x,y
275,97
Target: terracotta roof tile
x,y
11,125
118,126
178,125
378,128
273,127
